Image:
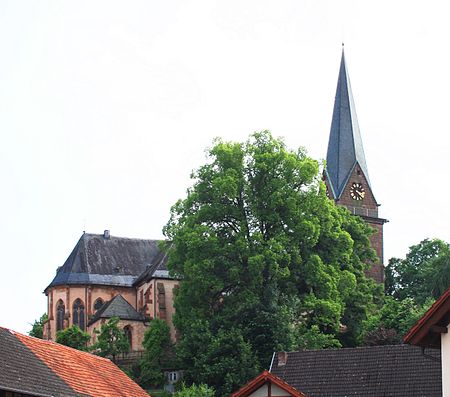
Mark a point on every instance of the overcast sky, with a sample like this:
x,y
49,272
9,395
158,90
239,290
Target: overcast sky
x,y
107,106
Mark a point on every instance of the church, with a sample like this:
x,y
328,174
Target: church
x,y
107,276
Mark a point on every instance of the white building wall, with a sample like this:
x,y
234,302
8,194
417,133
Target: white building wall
x,y
264,392
445,357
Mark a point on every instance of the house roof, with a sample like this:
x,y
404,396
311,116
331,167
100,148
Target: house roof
x,y
42,368
262,379
426,331
394,371
100,260
117,307
345,148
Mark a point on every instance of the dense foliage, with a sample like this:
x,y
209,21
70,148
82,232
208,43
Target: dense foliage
x,y
195,391
37,328
111,340
394,319
157,354
73,337
268,263
423,274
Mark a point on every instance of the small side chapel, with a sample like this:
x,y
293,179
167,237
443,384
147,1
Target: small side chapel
x,y
107,276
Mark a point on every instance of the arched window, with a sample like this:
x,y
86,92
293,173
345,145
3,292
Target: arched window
x,y
128,333
78,313
60,310
98,304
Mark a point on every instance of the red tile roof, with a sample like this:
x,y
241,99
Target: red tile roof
x,y
85,373
263,378
422,333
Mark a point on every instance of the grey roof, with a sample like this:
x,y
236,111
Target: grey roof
x,y
117,307
394,371
157,269
107,261
21,371
345,148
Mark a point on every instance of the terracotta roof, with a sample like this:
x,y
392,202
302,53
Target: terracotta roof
x,y
265,378
117,307
426,331
394,371
47,368
100,260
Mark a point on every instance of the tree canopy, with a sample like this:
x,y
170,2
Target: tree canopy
x,y
195,391
37,328
73,337
158,354
111,340
268,262
423,274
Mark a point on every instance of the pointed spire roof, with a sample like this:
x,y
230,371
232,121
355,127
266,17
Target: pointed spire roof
x,y
345,148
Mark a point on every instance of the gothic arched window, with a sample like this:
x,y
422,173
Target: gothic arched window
x,y
78,313
60,310
128,333
98,304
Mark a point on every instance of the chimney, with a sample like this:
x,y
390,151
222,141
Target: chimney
x,y
106,235
282,358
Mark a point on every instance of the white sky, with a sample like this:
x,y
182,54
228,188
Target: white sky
x,y
107,106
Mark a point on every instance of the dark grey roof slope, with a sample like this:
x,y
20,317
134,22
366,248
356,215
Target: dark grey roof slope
x,y
106,261
157,269
23,372
117,307
345,147
378,371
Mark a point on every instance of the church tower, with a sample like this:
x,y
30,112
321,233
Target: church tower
x,y
346,174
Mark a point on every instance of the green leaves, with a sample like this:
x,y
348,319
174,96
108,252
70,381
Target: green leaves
x,y
73,337
111,340
38,327
267,262
423,274
158,354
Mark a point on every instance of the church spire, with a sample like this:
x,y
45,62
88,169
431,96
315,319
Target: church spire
x,y
345,148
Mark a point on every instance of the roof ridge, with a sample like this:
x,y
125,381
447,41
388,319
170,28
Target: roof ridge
x,y
345,348
50,342
122,238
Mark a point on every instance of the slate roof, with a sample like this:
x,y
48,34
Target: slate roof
x,y
345,148
42,368
376,371
117,307
113,261
157,269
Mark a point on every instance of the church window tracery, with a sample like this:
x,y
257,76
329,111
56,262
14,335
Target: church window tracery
x,y
98,304
60,310
78,314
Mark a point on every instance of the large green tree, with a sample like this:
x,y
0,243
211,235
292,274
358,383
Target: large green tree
x,y
267,261
423,274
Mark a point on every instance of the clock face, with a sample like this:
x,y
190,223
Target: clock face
x,y
357,191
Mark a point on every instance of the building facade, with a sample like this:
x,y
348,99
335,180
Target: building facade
x,y
108,276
